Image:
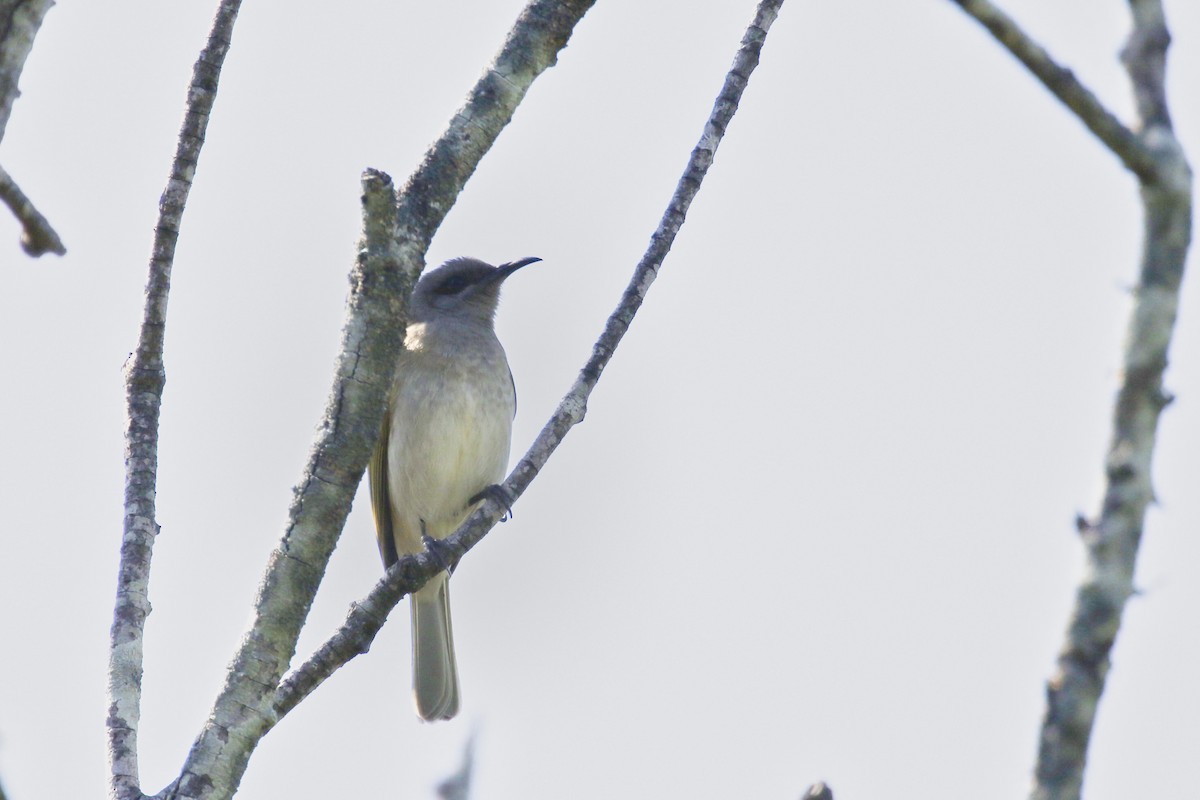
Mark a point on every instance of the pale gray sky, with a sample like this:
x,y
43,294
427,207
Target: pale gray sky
x,y
818,522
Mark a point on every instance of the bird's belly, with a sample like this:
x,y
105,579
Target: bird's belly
x,y
449,440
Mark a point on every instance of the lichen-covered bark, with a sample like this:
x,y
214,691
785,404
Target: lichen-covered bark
x,y
1112,538
1152,152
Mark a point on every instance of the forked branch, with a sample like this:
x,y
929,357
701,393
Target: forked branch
x,y
1152,152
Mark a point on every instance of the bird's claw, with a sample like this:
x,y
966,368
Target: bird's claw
x,y
497,493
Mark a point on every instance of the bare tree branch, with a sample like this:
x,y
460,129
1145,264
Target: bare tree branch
x,y
20,21
38,237
366,617
1063,84
145,378
1112,539
533,44
372,335
378,256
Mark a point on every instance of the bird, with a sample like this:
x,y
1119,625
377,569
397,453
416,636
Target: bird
x,y
444,445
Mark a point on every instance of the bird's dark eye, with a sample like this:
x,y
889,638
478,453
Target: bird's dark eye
x,y
453,285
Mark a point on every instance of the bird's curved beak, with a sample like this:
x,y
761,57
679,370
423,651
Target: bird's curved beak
x,y
504,270
491,282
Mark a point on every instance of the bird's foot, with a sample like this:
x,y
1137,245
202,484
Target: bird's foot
x,y
497,493
437,550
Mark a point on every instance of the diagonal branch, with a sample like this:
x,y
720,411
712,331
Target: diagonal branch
x,y
39,237
1112,539
378,256
1063,84
144,381
533,44
366,618
372,335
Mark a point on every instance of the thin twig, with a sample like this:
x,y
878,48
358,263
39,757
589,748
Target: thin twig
x,y
1063,84
144,381
38,237
372,335
366,617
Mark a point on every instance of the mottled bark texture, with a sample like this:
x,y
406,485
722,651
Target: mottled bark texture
x,y
1152,152
145,378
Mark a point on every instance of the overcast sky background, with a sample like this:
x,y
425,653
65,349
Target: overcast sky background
x,y
818,522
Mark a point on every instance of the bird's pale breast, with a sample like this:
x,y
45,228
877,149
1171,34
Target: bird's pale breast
x,y
453,441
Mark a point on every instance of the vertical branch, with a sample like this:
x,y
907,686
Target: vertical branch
x,y
1145,59
1111,540
145,378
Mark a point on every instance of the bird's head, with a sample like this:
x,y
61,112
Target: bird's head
x,y
462,287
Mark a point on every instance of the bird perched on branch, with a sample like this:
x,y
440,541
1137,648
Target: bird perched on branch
x,y
444,443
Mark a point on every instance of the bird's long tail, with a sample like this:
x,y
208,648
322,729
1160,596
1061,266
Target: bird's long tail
x,y
435,674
